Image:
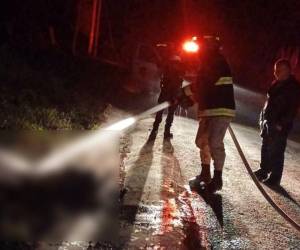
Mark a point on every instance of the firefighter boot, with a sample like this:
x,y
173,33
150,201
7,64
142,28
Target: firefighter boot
x,y
216,183
261,174
204,176
272,182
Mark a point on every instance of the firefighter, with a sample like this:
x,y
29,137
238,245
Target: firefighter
x,y
170,84
276,121
216,109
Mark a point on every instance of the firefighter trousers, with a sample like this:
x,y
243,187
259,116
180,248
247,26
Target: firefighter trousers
x,y
210,138
169,120
272,154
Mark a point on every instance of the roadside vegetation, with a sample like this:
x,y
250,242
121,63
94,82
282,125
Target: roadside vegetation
x,y
48,90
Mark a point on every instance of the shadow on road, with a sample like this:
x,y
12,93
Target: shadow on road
x,y
214,200
139,171
172,187
168,147
192,239
282,191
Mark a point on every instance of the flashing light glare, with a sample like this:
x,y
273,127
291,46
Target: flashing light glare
x,y
191,46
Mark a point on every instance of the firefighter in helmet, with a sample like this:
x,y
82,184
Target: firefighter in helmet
x,y
170,84
214,94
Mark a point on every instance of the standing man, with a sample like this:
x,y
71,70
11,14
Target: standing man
x,y
170,84
276,121
215,96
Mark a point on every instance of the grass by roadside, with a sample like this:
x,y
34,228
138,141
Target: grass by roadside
x,y
48,90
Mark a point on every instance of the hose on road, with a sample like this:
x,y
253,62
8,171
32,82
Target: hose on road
x,y
242,155
258,185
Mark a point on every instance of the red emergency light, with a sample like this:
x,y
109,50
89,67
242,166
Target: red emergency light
x,y
191,46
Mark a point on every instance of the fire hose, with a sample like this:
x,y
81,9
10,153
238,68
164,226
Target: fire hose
x,y
259,186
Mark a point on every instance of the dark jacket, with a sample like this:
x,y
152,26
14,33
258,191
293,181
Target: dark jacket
x,y
281,106
214,87
170,84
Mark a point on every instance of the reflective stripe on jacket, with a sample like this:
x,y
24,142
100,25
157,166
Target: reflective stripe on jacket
x,y
214,87
216,112
224,81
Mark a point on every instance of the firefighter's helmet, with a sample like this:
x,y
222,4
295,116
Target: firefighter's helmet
x,y
212,42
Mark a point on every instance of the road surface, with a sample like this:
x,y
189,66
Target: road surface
x,y
68,208
160,210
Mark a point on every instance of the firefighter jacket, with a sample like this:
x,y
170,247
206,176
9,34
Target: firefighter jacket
x,y
281,105
214,87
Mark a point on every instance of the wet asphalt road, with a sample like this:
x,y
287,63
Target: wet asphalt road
x,y
160,211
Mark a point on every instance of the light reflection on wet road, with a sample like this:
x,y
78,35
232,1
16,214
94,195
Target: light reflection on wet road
x,y
173,216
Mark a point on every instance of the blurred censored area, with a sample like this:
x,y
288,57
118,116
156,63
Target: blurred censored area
x,y
67,194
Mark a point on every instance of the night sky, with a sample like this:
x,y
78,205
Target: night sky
x,y
254,33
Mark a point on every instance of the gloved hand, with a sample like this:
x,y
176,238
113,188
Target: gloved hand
x,y
174,102
184,100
